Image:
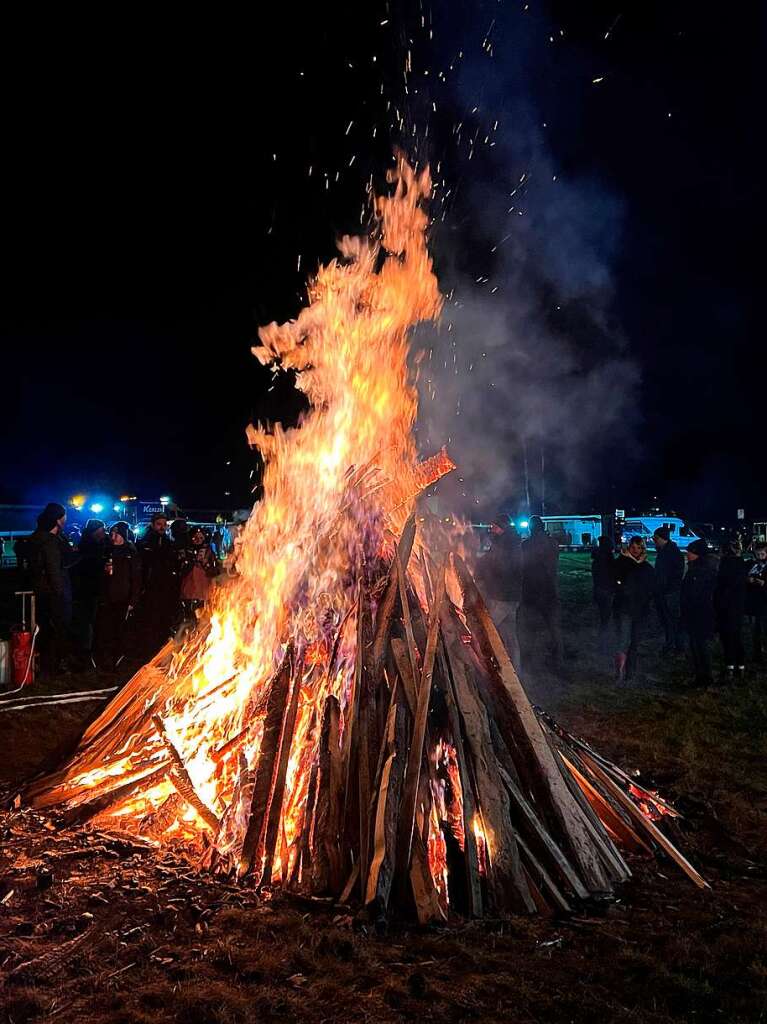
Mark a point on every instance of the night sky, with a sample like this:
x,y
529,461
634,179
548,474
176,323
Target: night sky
x,y
163,175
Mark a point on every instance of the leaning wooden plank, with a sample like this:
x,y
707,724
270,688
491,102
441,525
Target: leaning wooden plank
x,y
468,801
605,811
366,749
181,780
388,603
506,882
89,809
278,794
267,760
427,904
415,754
541,875
548,785
644,821
326,865
383,864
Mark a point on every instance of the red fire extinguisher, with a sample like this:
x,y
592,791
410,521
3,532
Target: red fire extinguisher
x,y
22,645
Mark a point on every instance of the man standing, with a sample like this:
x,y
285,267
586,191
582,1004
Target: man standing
x,y
669,570
634,586
697,609
500,573
540,581
50,558
160,576
756,598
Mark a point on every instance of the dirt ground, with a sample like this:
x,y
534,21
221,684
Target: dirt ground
x,y
112,930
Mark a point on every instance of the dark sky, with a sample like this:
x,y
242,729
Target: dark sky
x,y
161,179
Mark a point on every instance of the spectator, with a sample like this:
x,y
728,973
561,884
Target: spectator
x,y
697,609
201,566
500,574
50,559
729,605
634,588
540,582
86,584
119,593
160,585
756,598
669,570
603,580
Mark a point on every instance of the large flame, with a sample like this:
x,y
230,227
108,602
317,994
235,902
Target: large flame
x,y
337,490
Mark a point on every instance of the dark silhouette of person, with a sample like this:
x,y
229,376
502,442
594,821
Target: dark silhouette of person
x,y
50,559
756,599
669,570
86,585
119,594
540,582
697,609
160,602
500,575
634,588
730,607
603,582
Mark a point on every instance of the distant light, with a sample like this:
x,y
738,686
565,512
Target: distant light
x,y
78,500
165,500
96,507
126,497
523,523
117,508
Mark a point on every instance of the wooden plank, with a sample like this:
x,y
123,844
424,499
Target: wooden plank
x,y
535,867
644,821
506,882
415,754
388,603
275,804
468,801
606,812
326,867
90,808
539,765
366,745
182,781
266,764
383,864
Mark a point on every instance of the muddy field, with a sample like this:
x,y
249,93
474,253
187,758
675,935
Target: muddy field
x,y
96,926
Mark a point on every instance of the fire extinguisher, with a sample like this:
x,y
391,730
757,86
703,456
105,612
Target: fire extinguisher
x,y
22,646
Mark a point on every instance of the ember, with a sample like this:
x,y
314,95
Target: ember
x,y
347,720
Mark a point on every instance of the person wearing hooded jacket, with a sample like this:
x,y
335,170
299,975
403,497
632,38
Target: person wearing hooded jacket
x,y
50,559
119,591
697,609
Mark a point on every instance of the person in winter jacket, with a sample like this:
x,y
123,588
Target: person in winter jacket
x,y
200,568
50,559
669,570
697,609
634,589
120,587
500,575
159,605
730,605
603,580
540,581
756,599
86,584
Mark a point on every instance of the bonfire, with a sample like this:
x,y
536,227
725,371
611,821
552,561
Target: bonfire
x,y
346,720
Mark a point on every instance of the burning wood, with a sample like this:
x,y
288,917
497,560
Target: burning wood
x,y
328,729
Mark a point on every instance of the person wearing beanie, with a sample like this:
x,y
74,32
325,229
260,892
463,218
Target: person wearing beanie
x,y
500,577
669,570
697,609
120,586
159,608
50,559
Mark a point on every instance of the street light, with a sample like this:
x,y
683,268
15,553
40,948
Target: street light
x,y
97,507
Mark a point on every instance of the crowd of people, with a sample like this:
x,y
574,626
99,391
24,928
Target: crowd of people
x,y
696,595
108,595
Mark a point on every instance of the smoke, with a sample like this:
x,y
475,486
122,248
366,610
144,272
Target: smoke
x,y
528,379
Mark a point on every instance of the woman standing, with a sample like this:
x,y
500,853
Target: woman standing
x,y
201,566
120,589
634,588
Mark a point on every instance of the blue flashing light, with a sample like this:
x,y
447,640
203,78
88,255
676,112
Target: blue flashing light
x,y
523,524
97,507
